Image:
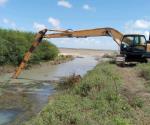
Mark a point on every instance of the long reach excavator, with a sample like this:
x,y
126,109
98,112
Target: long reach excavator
x,y
133,47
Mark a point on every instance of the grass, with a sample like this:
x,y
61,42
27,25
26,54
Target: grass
x,y
143,103
95,100
62,59
136,102
144,70
68,82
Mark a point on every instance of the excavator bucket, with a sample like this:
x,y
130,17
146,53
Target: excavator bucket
x,y
38,39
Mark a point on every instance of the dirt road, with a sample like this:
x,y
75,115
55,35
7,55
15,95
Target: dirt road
x,y
84,52
137,94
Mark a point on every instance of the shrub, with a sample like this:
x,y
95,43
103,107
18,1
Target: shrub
x,y
14,44
68,82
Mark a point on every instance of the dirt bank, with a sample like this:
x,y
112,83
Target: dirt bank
x,y
58,60
68,55
7,69
128,104
84,52
136,93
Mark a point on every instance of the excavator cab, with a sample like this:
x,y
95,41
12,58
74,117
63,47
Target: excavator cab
x,y
134,48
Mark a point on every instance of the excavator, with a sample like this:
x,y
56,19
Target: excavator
x,y
133,47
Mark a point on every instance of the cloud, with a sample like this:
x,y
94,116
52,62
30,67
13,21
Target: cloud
x,y
64,3
143,24
87,7
6,21
140,26
54,22
147,33
38,26
2,2
9,23
88,43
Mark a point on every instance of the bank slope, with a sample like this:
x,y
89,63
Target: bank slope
x,y
95,100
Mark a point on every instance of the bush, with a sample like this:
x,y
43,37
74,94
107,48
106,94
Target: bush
x,y
46,51
68,82
14,44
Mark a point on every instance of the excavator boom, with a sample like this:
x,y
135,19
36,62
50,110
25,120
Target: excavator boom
x,y
116,35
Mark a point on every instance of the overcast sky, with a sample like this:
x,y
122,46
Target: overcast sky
x,y
127,16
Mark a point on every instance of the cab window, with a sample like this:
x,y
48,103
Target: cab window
x,y
134,40
142,40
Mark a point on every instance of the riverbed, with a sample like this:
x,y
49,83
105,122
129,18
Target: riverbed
x,y
23,98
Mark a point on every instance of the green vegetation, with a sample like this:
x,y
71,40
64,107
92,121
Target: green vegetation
x,y
136,102
13,45
68,82
62,59
95,100
144,71
142,102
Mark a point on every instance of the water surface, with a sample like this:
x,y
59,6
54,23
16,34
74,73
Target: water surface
x,y
31,96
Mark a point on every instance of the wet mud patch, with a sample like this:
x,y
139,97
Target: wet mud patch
x,y
24,99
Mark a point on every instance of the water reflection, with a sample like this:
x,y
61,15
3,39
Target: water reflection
x,y
7,115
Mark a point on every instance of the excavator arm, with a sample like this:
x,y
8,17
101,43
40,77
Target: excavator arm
x,y
116,35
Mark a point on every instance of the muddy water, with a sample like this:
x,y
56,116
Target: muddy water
x,y
22,99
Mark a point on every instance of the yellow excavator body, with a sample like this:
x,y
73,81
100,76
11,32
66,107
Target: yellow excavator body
x,y
110,32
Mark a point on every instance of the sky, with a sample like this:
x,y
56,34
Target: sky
x,y
127,16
